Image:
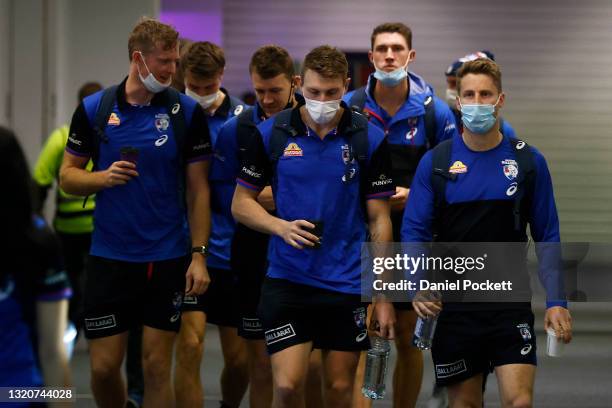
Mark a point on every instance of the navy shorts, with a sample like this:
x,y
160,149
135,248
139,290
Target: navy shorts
x,y
294,314
121,295
468,343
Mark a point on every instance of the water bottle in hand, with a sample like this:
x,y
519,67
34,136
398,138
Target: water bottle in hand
x,y
376,368
424,332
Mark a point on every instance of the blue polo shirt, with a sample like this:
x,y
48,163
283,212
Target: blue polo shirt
x,y
484,186
405,130
310,183
222,179
143,220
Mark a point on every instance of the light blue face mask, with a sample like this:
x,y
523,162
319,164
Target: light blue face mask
x,y
393,78
479,118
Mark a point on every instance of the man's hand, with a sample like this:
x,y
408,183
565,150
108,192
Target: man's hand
x,y
119,173
427,304
292,233
383,320
398,200
559,319
196,278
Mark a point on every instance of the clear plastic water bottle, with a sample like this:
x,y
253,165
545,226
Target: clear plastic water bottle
x,y
424,332
376,368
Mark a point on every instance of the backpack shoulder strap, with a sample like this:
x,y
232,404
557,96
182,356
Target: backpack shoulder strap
x,y
440,163
244,127
430,121
105,108
281,131
358,99
176,111
525,181
359,146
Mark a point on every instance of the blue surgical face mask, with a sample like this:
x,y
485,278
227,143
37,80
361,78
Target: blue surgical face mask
x,y
393,78
478,118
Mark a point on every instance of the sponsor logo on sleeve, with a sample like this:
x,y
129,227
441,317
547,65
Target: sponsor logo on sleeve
x,y
73,139
452,369
101,323
251,171
458,167
279,334
383,180
238,110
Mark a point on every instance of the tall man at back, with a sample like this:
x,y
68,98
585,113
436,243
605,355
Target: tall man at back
x,y
414,120
150,147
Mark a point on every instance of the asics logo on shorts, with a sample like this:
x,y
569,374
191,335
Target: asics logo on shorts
x,y
525,350
279,334
361,337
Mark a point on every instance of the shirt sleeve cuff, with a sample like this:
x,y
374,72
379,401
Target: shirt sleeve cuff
x,y
384,194
248,185
554,303
74,152
205,157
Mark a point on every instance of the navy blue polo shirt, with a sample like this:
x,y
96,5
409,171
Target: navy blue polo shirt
x,y
482,177
406,128
223,171
143,220
309,183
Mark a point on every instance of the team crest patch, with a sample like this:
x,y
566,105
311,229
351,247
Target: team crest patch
x,y
510,169
524,330
293,150
458,167
113,120
359,315
162,121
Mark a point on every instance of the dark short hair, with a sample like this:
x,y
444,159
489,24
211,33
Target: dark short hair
x,y
480,66
327,61
401,28
88,88
203,59
148,33
270,61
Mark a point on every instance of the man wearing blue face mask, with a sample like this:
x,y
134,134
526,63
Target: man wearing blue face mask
x,y
414,120
451,90
486,187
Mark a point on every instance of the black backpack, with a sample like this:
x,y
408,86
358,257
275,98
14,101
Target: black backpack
x,y
177,120
525,182
358,101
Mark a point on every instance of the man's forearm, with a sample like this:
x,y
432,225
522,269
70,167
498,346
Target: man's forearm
x,y
250,213
81,182
198,210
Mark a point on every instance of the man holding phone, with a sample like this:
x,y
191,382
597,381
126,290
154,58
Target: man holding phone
x,y
150,177
311,295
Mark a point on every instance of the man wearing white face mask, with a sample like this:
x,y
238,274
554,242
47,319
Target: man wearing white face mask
x,y
320,179
451,90
202,66
414,120
150,148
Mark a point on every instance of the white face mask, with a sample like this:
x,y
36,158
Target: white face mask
x,y
451,98
206,101
322,112
150,82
